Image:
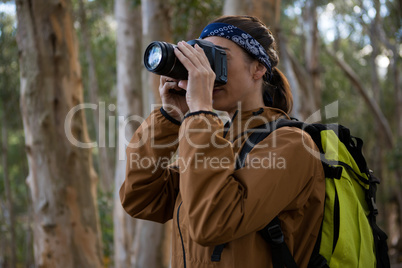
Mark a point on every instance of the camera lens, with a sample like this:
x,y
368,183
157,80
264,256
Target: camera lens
x,y
154,56
159,58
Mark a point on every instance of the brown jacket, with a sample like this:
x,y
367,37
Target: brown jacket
x,y
212,203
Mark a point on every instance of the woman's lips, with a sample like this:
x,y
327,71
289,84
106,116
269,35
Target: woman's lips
x,y
216,90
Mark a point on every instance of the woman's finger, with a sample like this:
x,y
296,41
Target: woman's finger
x,y
195,55
186,57
166,85
195,62
166,79
197,51
201,55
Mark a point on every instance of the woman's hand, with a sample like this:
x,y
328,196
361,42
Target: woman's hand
x,y
201,77
173,102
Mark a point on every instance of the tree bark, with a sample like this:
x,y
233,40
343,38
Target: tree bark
x,y
148,245
61,177
129,103
306,96
312,52
395,70
307,75
291,75
106,176
266,10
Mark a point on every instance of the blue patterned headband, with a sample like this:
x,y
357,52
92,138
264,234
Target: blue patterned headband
x,y
240,37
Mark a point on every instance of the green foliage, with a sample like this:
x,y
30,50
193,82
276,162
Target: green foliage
x,y
9,93
392,21
105,206
395,156
135,3
189,17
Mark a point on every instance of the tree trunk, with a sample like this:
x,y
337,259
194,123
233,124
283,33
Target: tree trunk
x,y
312,53
28,249
306,76
106,176
266,10
129,103
148,245
61,177
155,27
291,75
378,148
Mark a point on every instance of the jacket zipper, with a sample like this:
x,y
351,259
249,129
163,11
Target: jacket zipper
x,y
181,236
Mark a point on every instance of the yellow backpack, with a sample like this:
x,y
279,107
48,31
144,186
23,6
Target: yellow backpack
x,y
349,234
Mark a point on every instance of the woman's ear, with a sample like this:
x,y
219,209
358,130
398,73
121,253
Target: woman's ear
x,y
258,70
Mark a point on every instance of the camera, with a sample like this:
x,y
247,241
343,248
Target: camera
x,y
159,58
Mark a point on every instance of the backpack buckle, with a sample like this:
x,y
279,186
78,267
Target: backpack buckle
x,y
374,208
275,234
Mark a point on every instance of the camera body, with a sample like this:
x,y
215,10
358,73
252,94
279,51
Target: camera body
x,y
160,59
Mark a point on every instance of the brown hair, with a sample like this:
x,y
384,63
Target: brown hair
x,y
278,86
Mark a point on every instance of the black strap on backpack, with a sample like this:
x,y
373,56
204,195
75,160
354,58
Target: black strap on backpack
x,y
354,146
380,237
316,259
281,255
255,137
216,255
272,233
259,133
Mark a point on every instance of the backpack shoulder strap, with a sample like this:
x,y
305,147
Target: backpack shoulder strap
x,y
260,133
272,233
281,255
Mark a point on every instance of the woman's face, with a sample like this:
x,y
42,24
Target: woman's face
x,y
242,87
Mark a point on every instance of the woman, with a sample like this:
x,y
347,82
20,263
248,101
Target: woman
x,y
210,201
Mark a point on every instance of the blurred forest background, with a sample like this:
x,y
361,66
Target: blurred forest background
x,y
58,202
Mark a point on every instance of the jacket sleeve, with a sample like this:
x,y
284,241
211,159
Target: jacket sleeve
x,y
223,204
150,187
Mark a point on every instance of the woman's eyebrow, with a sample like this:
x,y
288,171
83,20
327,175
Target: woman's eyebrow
x,y
226,49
